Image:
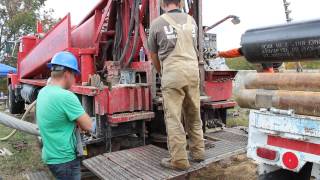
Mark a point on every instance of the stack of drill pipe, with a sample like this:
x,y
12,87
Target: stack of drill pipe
x,y
297,91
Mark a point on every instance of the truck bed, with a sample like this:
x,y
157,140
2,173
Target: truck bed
x,y
143,162
295,125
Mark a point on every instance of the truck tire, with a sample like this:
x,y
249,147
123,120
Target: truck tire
x,y
283,174
15,107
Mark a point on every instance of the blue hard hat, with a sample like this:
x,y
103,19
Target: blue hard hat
x,y
65,59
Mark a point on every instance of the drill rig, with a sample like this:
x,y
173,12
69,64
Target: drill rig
x,y
117,86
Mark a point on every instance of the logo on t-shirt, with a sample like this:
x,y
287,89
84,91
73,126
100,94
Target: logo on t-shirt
x,y
171,32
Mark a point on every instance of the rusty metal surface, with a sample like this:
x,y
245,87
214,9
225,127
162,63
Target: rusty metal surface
x,y
283,81
126,117
40,175
304,103
143,162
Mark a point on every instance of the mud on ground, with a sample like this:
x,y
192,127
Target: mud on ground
x,y
235,168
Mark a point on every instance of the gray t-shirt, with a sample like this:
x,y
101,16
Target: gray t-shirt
x,y
163,37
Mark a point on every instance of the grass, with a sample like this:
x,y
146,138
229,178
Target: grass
x,y
26,160
242,64
238,117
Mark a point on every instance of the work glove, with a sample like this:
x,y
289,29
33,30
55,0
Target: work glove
x,y
215,54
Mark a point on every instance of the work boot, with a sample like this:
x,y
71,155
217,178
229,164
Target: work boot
x,y
196,157
182,165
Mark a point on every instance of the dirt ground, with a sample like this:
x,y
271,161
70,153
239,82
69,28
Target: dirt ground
x,y
235,168
26,157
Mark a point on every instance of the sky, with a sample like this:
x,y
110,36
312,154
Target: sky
x,y
253,14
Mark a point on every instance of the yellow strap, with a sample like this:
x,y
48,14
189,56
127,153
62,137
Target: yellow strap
x,y
172,22
189,20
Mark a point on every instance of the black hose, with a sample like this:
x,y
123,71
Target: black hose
x,y
129,33
119,33
136,33
105,48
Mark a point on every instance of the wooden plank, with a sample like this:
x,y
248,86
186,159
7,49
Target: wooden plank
x,y
40,175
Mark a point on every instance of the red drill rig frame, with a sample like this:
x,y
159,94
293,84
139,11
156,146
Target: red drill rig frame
x,y
107,44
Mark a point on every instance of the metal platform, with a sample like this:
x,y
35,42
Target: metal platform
x,y
143,162
229,134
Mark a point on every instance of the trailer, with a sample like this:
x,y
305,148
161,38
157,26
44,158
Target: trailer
x,y
118,86
284,118
284,145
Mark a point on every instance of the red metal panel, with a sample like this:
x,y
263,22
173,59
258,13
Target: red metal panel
x,y
138,99
58,39
219,75
122,99
87,65
131,99
143,67
127,117
104,19
83,35
37,82
14,80
27,44
301,146
218,84
85,90
113,101
146,99
219,91
102,102
219,105
99,6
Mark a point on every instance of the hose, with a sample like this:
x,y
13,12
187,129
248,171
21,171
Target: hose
x,y
119,34
136,33
22,119
132,20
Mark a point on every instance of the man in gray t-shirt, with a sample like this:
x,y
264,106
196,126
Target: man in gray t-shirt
x,y
173,48
163,37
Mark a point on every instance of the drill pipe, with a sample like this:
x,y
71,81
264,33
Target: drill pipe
x,y
15,123
304,103
282,43
283,81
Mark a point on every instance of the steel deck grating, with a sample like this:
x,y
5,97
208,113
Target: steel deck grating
x,y
228,135
143,162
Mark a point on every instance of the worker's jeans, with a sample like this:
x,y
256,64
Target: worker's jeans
x,y
66,171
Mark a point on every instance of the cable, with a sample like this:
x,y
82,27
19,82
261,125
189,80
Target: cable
x,y
22,119
136,33
129,33
119,34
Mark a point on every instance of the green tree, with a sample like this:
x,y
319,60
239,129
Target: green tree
x,y
18,18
